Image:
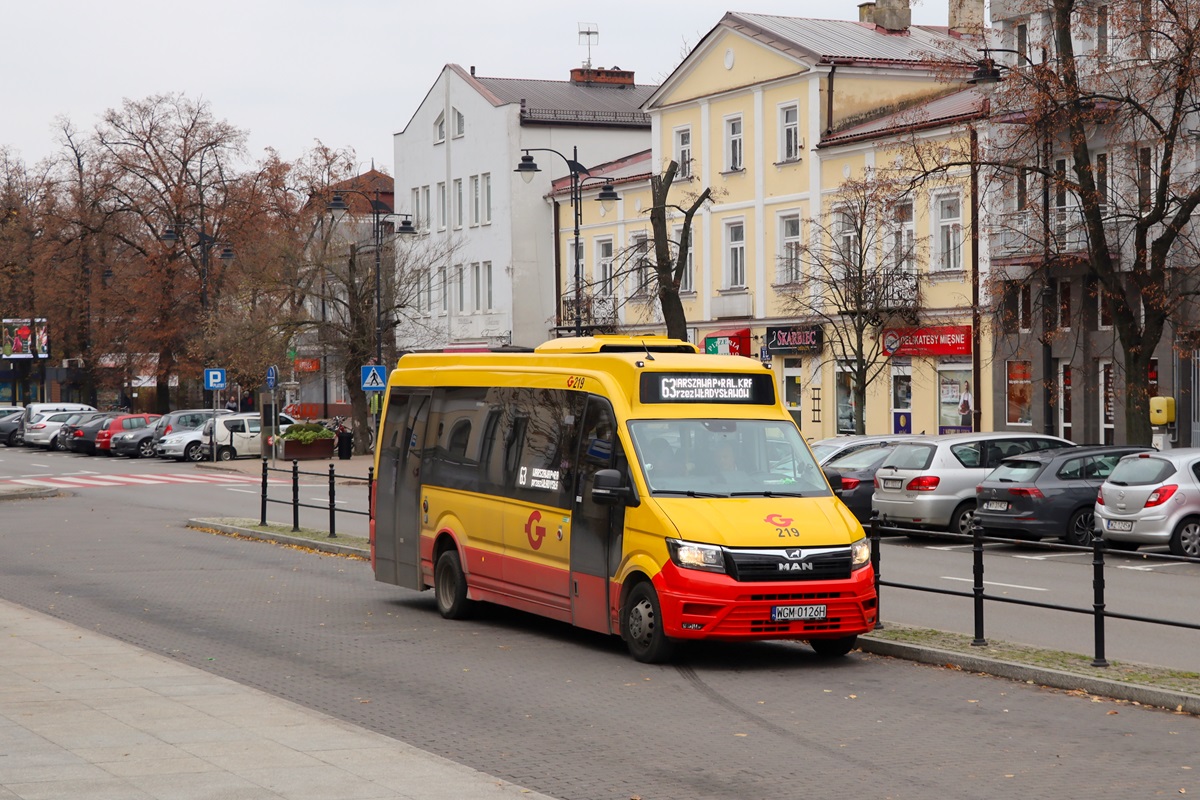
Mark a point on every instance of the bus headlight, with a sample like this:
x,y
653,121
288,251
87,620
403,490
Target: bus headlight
x,y
860,553
692,555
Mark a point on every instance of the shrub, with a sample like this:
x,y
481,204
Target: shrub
x,y
307,432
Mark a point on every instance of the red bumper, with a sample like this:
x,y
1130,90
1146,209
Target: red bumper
x,y
705,605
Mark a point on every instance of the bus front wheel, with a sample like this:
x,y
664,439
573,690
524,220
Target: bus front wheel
x,y
642,625
834,648
450,586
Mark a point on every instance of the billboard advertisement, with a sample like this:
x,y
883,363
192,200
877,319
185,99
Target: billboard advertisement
x,y
24,338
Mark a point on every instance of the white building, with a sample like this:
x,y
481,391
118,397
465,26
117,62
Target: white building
x,y
455,164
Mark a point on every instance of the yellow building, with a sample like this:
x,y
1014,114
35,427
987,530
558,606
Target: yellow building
x,y
775,115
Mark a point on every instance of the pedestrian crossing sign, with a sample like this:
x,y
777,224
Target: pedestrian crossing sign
x,y
374,379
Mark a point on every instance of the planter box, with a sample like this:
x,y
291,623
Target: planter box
x,y
316,450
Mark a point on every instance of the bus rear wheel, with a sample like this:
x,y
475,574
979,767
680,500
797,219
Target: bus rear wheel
x,y
642,626
450,587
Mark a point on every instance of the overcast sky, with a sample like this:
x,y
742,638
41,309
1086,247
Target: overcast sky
x,y
347,72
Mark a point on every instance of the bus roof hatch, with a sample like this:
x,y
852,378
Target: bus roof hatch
x,y
604,343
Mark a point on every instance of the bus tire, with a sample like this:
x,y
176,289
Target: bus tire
x,y
642,625
450,587
833,648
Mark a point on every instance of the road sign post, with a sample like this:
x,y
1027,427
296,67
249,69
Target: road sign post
x,y
214,381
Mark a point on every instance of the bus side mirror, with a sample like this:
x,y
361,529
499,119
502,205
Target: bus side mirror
x,y
835,480
609,489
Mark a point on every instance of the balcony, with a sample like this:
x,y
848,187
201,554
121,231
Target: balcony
x,y
893,290
594,310
1021,234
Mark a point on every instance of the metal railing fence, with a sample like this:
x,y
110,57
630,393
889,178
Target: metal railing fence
x,y
295,503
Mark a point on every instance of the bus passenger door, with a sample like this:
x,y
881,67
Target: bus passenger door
x,y
592,525
397,490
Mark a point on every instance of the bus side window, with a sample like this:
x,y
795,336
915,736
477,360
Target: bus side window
x,y
512,446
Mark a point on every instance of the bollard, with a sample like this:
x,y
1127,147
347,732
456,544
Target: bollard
x,y
332,505
977,552
262,521
295,496
371,493
1098,547
875,566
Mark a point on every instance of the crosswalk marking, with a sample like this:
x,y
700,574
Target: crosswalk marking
x,y
36,482
94,480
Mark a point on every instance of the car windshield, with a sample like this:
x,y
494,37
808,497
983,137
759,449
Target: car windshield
x,y
862,458
1016,471
911,456
726,458
1141,471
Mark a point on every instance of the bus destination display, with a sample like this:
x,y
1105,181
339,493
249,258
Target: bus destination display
x,y
707,387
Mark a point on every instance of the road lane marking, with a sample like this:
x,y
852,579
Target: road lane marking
x,y
243,491
89,481
993,583
1054,555
1153,567
35,482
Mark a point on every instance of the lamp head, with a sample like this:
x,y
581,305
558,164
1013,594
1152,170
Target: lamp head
x,y
169,234
608,196
406,227
527,168
226,255
337,205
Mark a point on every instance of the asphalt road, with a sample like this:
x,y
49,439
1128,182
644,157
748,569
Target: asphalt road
x,y
560,710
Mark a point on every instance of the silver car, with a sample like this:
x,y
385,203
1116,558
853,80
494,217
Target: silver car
x,y
181,445
1153,498
929,482
825,450
42,430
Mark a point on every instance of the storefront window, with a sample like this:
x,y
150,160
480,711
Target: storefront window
x,y
792,396
901,400
845,402
1019,391
956,401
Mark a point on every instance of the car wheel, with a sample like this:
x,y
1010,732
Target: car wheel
x,y
962,519
11,441
53,443
450,587
1185,541
226,454
1081,529
833,648
642,625
192,452
60,444
145,449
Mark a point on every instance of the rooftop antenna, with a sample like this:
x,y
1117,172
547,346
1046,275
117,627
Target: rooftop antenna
x,y
589,34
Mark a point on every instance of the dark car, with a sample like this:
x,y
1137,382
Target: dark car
x,y
70,437
10,429
122,423
137,443
857,470
1050,493
83,435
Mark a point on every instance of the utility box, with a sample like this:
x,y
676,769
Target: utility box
x,y
1162,410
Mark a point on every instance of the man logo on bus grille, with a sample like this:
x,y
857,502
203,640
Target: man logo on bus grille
x,y
535,534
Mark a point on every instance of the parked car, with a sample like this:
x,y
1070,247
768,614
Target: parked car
x,y
929,482
137,443
1047,493
1153,498
67,433
117,425
236,435
826,450
10,429
857,470
185,420
7,411
43,429
40,409
181,445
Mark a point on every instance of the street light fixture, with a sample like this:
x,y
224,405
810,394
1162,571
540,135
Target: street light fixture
x,y
206,241
607,198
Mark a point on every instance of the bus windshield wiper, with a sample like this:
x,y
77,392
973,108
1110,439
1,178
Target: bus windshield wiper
x,y
767,493
689,493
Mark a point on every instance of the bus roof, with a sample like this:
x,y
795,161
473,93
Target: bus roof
x,y
604,343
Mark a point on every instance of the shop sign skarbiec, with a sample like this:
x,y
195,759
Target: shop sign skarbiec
x,y
791,340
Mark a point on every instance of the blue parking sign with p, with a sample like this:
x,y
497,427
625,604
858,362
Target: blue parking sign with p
x,y
214,379
374,378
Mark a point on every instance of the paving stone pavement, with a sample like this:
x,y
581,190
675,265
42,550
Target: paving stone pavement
x,y
86,716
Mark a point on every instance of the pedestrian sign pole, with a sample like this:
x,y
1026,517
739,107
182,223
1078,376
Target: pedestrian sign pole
x,y
272,382
374,381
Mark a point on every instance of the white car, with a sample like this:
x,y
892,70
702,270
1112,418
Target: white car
x,y
42,430
181,445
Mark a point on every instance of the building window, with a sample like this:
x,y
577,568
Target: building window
x,y
488,298
425,207
439,128
789,255
1102,31
949,219
793,397
458,203
847,260
686,284
444,288
1019,391
460,124
789,125
683,152
1022,34
1022,193
733,145
904,238
1143,178
487,198
735,255
1063,290
604,267
416,207
642,272
901,388
1103,308
1025,309
956,401
844,397
476,287
460,279
474,179
1101,178
1064,399
441,211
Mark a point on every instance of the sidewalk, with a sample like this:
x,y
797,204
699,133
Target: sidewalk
x,y
355,467
82,715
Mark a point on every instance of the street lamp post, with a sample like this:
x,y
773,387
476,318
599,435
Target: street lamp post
x,y
338,207
579,173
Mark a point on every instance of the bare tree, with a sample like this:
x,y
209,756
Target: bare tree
x,y
854,273
671,256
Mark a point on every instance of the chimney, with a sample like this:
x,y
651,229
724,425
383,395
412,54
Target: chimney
x,y
472,70
866,12
893,16
966,17
605,77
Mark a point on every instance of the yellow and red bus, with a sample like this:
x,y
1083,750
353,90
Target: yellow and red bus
x,y
628,485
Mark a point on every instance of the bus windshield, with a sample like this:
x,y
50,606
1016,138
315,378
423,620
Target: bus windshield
x,y
725,458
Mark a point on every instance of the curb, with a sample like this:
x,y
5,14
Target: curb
x,y
1057,679
1011,670
27,493
281,538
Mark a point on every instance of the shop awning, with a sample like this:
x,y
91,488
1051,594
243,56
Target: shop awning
x,y
728,341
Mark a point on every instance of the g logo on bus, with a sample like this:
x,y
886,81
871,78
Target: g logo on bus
x,y
778,520
575,382
535,534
